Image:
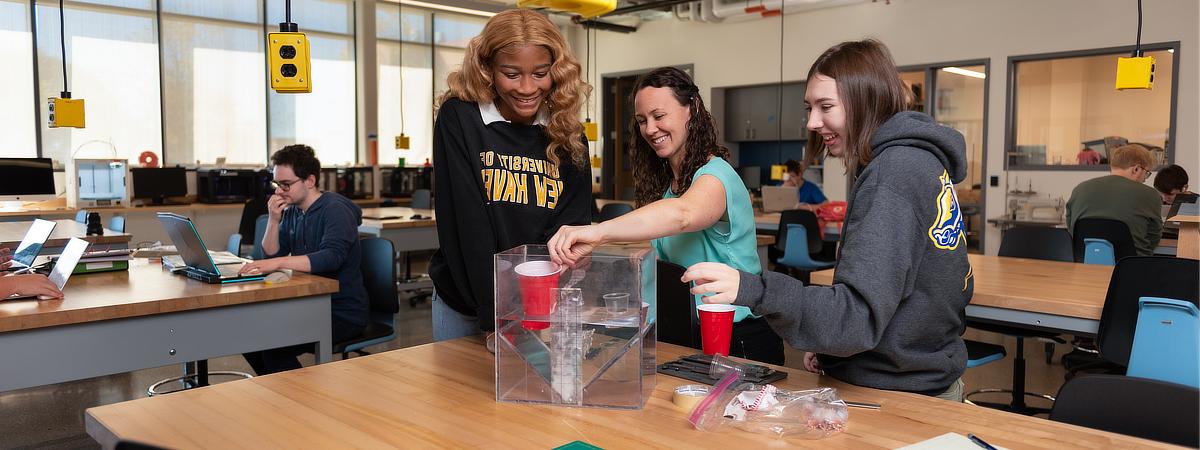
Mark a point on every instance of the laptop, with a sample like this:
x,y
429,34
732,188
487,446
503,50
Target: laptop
x,y
27,251
64,265
200,265
779,198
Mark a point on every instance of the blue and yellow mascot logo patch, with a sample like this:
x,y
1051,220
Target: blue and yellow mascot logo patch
x,y
947,231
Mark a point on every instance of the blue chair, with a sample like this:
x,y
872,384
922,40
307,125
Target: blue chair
x,y
1166,341
613,211
980,353
81,216
796,255
1098,251
117,223
260,229
235,244
379,277
422,199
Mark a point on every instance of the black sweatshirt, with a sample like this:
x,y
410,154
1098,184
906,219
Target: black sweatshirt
x,y
495,190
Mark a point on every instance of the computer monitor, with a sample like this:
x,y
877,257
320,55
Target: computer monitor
x,y
751,176
26,179
777,172
159,183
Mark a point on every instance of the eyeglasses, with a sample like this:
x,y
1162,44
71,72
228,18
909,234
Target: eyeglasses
x,y
1148,171
283,185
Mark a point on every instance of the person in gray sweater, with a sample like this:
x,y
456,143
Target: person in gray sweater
x,y
894,316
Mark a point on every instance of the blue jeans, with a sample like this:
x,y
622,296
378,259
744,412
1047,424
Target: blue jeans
x,y
450,324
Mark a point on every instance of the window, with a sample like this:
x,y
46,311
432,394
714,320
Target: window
x,y
425,68
214,92
17,120
112,63
417,99
955,94
1066,113
326,118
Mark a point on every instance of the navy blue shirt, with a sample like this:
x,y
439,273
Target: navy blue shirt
x,y
810,193
328,234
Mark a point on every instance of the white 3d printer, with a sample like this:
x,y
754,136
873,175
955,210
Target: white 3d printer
x,y
98,183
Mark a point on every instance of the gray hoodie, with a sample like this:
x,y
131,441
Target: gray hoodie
x,y
894,317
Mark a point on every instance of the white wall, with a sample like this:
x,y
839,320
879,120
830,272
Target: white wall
x,y
929,31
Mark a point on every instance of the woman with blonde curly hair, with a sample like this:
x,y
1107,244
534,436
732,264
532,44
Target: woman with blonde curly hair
x,y
510,161
692,204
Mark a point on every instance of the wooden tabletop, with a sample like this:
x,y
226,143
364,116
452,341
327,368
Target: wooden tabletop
x,y
1184,219
146,289
442,395
1051,287
398,217
11,234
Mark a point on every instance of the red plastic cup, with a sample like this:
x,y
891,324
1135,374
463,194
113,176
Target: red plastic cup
x,y
716,328
536,279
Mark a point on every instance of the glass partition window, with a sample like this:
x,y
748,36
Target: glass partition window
x,y
413,92
326,118
112,63
914,80
214,94
1066,111
17,119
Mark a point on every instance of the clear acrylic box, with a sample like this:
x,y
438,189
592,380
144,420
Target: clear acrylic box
x,y
579,337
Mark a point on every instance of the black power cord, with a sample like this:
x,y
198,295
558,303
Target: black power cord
x,y
1137,48
62,41
287,26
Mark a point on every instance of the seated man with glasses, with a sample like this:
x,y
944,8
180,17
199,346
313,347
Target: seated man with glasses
x,y
1122,195
316,232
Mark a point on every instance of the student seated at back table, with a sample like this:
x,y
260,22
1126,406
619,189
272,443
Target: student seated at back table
x,y
316,232
809,196
1122,196
1172,184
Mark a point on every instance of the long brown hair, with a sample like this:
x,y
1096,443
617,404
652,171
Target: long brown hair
x,y
871,91
505,32
652,175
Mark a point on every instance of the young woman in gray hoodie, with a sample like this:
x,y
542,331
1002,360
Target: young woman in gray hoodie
x,y
894,316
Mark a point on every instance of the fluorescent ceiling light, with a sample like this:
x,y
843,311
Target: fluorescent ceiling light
x,y
474,12
964,72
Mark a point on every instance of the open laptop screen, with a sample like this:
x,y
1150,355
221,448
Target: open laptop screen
x,y
187,242
32,243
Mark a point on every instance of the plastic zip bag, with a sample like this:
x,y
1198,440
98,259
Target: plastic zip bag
x,y
807,414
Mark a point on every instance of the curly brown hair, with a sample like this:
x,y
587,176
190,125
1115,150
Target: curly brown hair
x,y
652,175
506,32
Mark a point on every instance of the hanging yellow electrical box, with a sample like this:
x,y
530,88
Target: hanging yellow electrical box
x,y
585,8
591,130
401,142
287,54
1135,73
65,112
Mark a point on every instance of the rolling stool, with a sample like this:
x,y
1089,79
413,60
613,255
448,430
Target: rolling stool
x,y
195,374
1017,404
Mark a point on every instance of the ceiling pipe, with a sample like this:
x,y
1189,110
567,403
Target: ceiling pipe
x,y
604,26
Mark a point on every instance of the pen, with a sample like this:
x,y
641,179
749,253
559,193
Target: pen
x,y
864,405
980,442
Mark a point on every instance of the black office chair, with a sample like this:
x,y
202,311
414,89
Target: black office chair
x,y
812,231
677,320
250,211
613,210
1140,407
1045,243
379,277
1133,278
1113,231
422,199
1053,244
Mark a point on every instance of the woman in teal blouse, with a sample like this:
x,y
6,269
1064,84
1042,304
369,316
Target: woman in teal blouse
x,y
692,204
